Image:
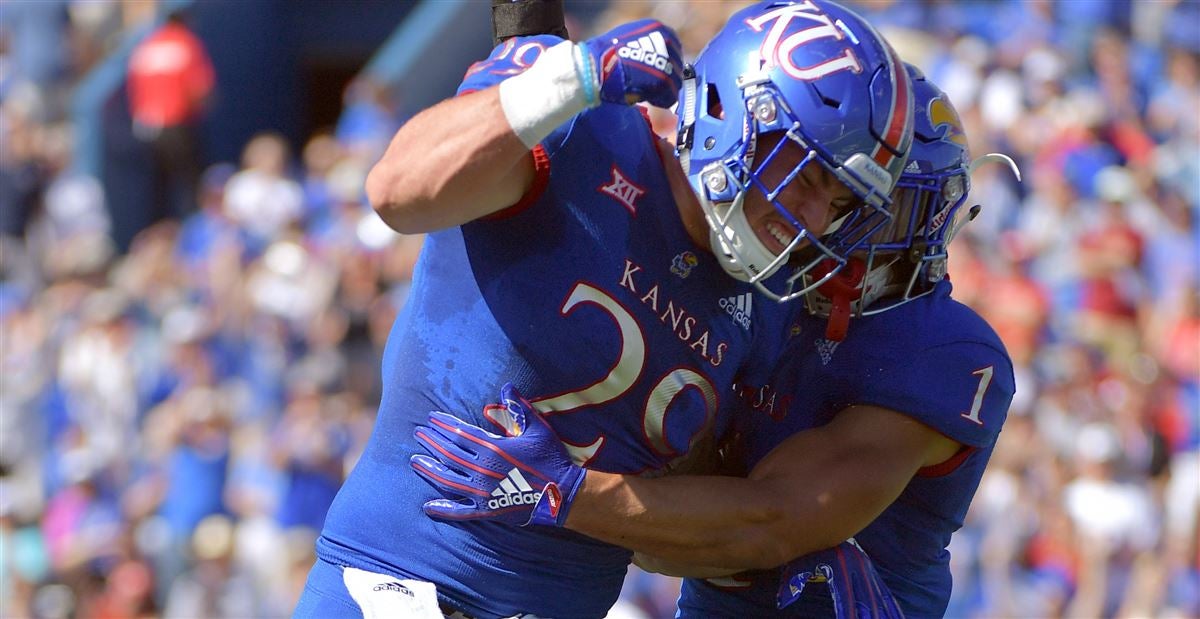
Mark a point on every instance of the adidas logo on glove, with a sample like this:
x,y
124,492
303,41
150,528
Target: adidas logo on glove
x,y
650,50
513,490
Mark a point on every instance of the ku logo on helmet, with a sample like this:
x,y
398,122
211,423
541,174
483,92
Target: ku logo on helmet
x,y
776,50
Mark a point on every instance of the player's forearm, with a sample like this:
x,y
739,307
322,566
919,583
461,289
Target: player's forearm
x,y
703,521
450,164
782,511
659,565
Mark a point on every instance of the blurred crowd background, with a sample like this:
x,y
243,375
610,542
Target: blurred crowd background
x,y
178,411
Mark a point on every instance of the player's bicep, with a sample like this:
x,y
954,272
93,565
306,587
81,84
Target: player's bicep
x,y
452,163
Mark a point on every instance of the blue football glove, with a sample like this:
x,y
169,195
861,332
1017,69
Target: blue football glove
x,y
525,477
638,61
854,584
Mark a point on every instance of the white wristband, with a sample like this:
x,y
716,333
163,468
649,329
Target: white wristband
x,y
545,96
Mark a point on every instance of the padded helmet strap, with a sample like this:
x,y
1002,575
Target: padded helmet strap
x,y
842,290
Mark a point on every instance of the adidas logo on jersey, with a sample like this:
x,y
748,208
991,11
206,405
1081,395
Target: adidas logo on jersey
x,y
513,490
650,50
738,308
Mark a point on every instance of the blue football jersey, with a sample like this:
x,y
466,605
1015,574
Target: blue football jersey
x,y
593,301
933,359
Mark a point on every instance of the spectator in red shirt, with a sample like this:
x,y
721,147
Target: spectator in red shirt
x,y
170,80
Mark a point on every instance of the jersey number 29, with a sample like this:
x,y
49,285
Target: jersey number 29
x,y
622,378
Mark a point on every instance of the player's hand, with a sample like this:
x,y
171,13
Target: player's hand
x,y
638,61
524,477
854,584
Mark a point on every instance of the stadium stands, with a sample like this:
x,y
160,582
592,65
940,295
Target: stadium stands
x,y
176,412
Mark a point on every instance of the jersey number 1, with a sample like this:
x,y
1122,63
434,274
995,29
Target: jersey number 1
x,y
985,379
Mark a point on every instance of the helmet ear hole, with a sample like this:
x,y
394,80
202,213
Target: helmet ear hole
x,y
715,109
827,100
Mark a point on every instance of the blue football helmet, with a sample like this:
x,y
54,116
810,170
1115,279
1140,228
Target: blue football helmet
x,y
903,259
822,77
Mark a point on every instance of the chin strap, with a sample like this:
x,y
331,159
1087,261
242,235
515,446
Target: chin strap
x,y
842,290
687,117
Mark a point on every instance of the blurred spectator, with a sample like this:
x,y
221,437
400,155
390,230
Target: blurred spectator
x,y
22,175
212,587
209,232
1103,509
370,117
310,447
170,83
35,32
261,198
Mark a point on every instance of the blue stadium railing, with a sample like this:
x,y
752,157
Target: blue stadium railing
x,y
425,58
98,87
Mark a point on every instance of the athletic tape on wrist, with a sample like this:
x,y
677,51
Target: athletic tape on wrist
x,y
553,90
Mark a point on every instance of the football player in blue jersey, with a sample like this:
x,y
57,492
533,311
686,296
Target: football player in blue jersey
x,y
570,253
877,427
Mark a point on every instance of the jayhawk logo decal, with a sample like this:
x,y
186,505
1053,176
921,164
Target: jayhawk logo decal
x,y
683,264
942,114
